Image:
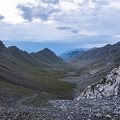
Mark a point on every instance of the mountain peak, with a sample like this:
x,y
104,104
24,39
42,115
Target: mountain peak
x,y
46,49
2,46
14,48
48,56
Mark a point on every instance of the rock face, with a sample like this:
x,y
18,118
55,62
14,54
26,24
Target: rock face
x,y
108,86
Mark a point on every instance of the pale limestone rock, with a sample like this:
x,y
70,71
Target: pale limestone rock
x,y
108,86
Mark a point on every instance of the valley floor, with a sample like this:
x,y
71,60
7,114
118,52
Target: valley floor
x,y
84,109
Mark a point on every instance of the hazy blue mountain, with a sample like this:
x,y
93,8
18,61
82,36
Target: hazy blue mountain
x,y
70,54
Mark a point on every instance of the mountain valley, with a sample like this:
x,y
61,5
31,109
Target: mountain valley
x,y
41,86
23,74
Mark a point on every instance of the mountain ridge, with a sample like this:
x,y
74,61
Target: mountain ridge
x,y
99,58
97,52
32,58
22,74
94,64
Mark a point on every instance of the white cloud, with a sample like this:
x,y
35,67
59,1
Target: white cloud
x,y
90,33
39,19
67,6
10,12
34,31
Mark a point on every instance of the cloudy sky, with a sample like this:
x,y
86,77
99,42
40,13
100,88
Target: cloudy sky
x,y
59,24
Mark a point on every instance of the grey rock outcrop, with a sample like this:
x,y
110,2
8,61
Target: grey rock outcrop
x,y
108,86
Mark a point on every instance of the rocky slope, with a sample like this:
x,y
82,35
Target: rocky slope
x,y
87,109
94,64
108,86
105,107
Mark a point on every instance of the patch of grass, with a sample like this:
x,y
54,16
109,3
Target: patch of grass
x,y
44,81
15,88
49,79
51,87
40,100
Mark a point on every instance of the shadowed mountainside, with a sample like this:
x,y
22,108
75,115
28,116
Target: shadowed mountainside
x,y
22,73
94,64
109,54
48,57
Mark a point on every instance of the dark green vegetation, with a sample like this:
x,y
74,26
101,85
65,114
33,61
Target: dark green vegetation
x,y
22,74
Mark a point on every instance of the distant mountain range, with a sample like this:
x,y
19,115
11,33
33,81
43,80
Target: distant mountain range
x,y
22,73
94,64
43,59
70,54
29,81
13,60
98,58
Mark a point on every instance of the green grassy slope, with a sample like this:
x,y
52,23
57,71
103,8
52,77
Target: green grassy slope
x,y
23,74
